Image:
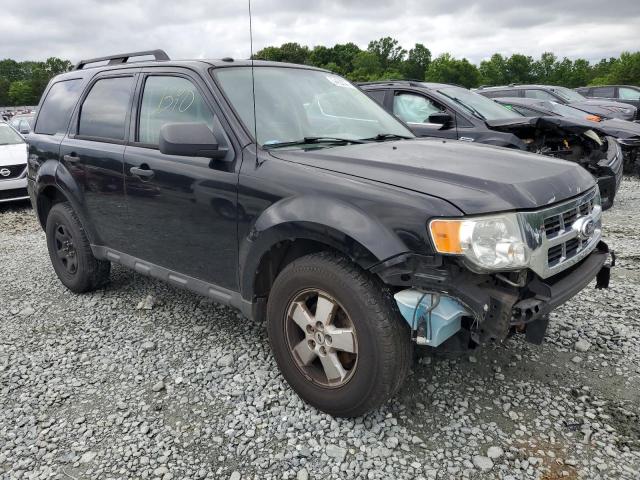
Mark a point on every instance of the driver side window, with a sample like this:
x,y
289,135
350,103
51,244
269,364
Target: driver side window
x,y
414,108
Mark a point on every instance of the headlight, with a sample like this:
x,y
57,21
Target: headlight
x,y
491,243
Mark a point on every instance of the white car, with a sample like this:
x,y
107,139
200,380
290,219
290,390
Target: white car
x,y
13,165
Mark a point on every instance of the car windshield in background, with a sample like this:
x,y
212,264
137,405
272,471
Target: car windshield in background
x,y
479,105
8,136
568,95
300,106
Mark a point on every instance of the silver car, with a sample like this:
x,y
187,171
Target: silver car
x,y
13,165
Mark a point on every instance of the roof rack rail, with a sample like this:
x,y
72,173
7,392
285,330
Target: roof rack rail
x,y
413,83
159,55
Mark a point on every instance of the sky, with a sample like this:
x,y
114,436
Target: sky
x,y
75,29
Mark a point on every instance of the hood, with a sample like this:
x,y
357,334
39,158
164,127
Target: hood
x,y
566,124
13,154
475,178
598,107
620,128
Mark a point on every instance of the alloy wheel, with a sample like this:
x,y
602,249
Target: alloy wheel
x,y
321,338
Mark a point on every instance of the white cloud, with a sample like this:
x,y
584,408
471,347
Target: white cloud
x,y
74,29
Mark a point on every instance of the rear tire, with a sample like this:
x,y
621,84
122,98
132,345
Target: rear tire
x,y
351,354
70,251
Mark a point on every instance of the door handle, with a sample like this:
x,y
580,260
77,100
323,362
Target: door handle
x,y
141,172
72,158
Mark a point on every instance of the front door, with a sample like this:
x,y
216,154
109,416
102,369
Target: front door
x,y
415,109
182,210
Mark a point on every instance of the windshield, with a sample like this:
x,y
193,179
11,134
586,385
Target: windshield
x,y
478,105
8,136
294,104
568,95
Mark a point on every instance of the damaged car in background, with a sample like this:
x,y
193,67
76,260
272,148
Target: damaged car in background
x,y
626,133
449,111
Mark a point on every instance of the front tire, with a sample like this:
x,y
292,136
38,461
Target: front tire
x,y
70,251
336,335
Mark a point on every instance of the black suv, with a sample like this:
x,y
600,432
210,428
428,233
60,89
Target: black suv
x,y
302,205
620,93
449,111
564,95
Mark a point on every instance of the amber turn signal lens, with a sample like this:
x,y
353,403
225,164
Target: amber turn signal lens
x,y
446,235
593,118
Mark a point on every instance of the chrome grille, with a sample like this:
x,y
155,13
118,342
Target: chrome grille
x,y
558,224
554,234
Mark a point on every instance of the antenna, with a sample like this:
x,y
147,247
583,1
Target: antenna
x,y
253,84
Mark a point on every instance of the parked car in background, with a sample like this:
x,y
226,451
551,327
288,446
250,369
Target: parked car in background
x,y
22,123
449,111
603,108
13,165
620,93
626,133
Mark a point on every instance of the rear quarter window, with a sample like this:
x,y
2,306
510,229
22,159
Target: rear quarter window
x,y
57,107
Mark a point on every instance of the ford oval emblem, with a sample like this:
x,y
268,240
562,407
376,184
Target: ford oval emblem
x,y
584,227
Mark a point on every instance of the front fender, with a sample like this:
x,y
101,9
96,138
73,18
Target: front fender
x,y
336,223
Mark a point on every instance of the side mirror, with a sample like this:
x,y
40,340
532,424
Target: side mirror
x,y
24,130
440,118
190,140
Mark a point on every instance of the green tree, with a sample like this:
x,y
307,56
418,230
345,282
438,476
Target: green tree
x,y
366,67
4,91
519,69
494,70
447,69
344,55
389,52
417,62
288,52
20,93
626,70
544,69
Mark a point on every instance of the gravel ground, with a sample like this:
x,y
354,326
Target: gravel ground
x,y
141,380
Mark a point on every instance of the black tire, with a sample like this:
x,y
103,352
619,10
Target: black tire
x,y
384,347
89,272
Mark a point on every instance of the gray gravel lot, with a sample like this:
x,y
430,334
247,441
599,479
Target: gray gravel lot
x,y
141,380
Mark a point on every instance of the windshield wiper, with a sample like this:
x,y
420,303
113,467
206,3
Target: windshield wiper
x,y
381,137
313,140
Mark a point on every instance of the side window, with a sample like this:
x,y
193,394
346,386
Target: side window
x,y
500,93
55,112
628,93
414,108
539,94
603,92
170,100
104,111
377,95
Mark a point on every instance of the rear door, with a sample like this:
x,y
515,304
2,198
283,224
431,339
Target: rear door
x,y
183,211
93,153
415,108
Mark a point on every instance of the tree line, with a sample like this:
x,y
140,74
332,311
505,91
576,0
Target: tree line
x,y
22,83
386,59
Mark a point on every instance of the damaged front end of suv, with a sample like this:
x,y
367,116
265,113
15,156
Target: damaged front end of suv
x,y
500,274
564,138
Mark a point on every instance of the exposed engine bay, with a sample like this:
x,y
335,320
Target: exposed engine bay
x,y
556,137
